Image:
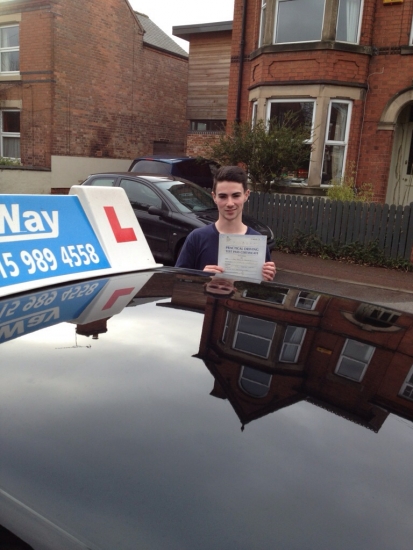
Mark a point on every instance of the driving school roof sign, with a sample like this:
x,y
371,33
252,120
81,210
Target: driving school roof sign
x,y
48,239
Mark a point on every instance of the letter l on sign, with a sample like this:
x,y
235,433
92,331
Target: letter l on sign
x,y
122,234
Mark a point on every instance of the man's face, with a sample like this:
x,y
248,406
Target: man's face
x,y
230,197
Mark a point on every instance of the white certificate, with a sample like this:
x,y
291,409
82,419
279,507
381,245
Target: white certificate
x,y
242,255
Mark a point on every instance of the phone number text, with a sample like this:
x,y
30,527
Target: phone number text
x,y
43,260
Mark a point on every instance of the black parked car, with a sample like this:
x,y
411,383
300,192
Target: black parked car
x,y
198,171
168,209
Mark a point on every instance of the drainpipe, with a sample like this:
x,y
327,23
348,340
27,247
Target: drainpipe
x,y
241,62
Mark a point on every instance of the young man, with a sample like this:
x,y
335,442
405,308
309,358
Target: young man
x,y
200,250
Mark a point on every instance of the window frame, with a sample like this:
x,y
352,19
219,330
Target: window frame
x,y
337,143
266,387
8,50
9,134
359,24
276,17
408,382
254,335
263,19
343,355
286,344
309,141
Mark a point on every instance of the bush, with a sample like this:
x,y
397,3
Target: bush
x,y
345,189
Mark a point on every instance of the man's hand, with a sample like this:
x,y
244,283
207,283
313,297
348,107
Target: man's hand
x,y
214,269
268,271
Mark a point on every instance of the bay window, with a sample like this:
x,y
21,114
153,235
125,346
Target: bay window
x,y
263,19
9,49
298,21
304,114
337,132
10,134
348,21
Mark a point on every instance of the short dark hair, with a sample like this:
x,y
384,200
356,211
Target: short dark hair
x,y
231,173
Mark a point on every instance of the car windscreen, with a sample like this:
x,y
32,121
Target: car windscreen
x,y
187,197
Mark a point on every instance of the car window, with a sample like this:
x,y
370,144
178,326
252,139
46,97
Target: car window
x,y
151,167
193,169
140,193
103,182
187,197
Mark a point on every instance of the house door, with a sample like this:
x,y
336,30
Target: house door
x,y
400,188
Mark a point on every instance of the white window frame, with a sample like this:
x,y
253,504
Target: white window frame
x,y
296,345
8,134
254,114
407,384
263,19
343,143
296,100
265,387
293,100
7,50
364,363
411,34
294,42
268,340
311,299
359,24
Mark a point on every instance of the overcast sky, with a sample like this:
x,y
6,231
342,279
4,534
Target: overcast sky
x,y
172,13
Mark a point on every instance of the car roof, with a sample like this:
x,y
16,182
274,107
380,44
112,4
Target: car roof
x,y
151,178
136,416
165,158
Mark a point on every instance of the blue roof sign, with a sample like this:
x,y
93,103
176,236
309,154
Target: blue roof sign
x,y
46,239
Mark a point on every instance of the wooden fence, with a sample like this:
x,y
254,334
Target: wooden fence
x,y
390,226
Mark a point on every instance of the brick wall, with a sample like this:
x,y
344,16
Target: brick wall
x,y
198,144
90,87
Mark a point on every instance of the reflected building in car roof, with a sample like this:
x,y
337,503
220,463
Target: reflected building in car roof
x,y
269,347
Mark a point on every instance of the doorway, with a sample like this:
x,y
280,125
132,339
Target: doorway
x,y
400,188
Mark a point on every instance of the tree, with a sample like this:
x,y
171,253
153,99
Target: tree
x,y
266,152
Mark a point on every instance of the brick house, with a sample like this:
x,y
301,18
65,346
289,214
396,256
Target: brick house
x,y
85,87
268,348
344,65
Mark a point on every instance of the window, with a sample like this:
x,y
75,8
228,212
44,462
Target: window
x,y
304,111
254,336
208,125
9,49
348,23
293,339
338,126
255,382
262,22
275,295
254,116
354,360
407,388
140,194
10,134
298,21
376,316
103,182
306,300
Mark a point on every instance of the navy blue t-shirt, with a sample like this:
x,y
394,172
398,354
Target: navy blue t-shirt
x,y
201,248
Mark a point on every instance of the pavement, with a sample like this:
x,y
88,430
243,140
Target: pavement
x,y
379,285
